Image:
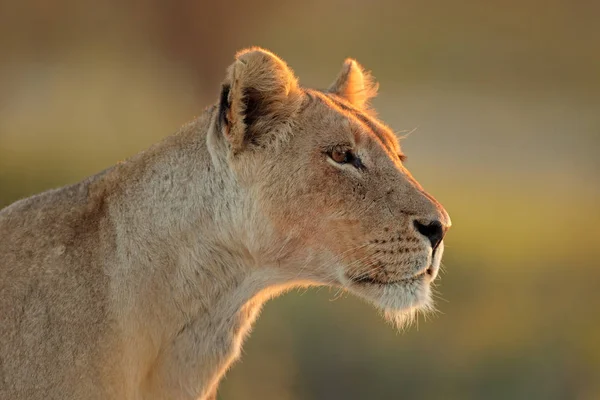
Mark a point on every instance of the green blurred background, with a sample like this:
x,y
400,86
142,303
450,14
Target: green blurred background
x,y
503,102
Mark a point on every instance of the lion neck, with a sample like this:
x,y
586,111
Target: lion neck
x,y
190,277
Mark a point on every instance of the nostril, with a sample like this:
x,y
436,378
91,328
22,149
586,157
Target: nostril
x,y
434,231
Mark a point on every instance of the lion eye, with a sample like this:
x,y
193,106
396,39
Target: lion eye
x,y
346,157
341,157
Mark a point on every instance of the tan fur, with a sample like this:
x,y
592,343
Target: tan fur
x,y
142,281
354,84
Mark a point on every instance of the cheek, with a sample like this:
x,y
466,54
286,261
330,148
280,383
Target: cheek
x,y
339,236
320,215
315,201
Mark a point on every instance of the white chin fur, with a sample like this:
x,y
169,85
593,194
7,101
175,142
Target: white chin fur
x,y
399,303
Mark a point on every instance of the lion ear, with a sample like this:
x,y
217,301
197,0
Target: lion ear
x,y
259,93
354,84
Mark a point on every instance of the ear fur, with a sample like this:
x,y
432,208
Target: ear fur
x,y
259,93
354,84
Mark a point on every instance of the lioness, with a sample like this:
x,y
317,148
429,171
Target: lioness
x,y
142,281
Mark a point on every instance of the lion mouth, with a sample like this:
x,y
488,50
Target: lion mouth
x,y
368,280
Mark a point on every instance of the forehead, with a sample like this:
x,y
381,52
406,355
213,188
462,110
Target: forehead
x,y
361,122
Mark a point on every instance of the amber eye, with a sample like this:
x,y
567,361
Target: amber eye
x,y
345,157
341,156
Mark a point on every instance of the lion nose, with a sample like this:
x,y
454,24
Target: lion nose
x,y
434,231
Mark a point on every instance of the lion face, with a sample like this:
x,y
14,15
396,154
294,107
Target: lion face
x,y
331,180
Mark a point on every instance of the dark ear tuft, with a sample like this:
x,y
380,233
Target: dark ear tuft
x,y
252,104
224,106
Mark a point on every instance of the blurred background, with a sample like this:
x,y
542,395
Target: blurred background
x,y
502,100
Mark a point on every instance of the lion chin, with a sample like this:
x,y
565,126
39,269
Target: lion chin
x,y
400,301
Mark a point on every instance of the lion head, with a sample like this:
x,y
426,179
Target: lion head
x,y
330,180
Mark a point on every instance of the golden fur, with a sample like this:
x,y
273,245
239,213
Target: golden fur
x,y
141,282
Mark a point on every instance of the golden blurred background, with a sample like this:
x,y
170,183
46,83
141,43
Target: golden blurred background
x,y
502,100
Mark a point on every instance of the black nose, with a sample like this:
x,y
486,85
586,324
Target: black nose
x,y
434,231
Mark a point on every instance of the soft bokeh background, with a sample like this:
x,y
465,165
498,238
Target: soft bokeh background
x,y
503,101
